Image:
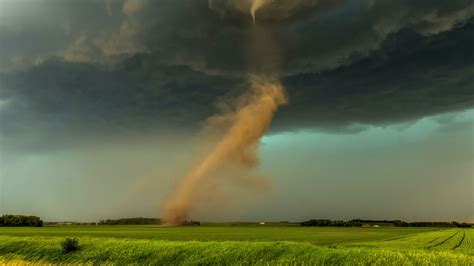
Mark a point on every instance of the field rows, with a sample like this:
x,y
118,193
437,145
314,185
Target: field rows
x,y
132,251
315,235
449,241
467,244
440,240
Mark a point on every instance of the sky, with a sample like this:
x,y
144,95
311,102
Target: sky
x,y
103,105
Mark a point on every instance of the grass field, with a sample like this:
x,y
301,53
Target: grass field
x,y
226,245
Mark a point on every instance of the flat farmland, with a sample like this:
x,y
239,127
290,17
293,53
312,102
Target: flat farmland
x,y
242,245
315,235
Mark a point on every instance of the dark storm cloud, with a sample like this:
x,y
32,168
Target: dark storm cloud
x,y
206,35
101,32
410,77
83,101
330,34
72,68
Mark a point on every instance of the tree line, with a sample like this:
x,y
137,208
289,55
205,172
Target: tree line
x,y
432,224
327,222
20,220
191,223
69,223
131,221
396,223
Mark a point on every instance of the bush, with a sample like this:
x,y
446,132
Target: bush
x,y
70,245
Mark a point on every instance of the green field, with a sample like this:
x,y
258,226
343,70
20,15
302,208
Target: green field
x,y
224,245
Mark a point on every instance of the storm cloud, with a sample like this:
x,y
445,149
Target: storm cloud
x,y
138,65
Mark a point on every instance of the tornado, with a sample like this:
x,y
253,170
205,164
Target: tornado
x,y
236,151
234,154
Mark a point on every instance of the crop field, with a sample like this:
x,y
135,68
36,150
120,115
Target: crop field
x,y
228,245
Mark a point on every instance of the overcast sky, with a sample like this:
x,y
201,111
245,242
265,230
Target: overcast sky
x,y
101,103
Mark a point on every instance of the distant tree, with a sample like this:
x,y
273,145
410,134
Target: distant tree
x,y
20,220
465,225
